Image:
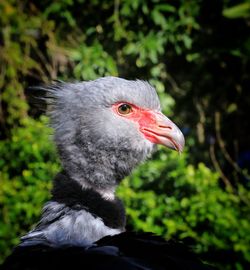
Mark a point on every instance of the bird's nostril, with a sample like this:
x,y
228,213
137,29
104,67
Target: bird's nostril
x,y
165,127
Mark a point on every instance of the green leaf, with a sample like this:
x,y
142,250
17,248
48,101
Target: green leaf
x,y
237,11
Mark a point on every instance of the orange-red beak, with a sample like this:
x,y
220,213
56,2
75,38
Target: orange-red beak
x,y
155,126
163,131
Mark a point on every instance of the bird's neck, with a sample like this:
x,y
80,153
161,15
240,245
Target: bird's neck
x,y
100,165
76,216
106,193
70,193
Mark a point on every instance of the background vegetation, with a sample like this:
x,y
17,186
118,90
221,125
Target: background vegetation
x,y
196,54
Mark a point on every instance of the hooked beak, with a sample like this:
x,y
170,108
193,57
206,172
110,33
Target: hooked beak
x,y
164,132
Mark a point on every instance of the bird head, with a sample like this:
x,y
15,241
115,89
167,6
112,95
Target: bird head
x,y
104,128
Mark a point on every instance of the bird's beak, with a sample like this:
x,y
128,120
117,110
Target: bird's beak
x,y
164,132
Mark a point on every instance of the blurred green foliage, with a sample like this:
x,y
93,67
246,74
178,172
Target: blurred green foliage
x,y
175,199
28,164
166,195
196,54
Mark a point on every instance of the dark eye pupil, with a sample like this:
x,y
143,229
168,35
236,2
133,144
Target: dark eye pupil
x,y
125,107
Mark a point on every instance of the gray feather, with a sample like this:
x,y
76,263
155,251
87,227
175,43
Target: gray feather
x,y
97,148
87,132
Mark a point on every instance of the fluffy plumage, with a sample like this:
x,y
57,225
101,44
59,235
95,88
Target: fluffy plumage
x,y
87,132
98,147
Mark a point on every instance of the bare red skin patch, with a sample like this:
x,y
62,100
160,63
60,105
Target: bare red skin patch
x,y
154,126
146,119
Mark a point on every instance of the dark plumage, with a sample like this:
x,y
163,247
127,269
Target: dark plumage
x,y
70,193
124,251
103,129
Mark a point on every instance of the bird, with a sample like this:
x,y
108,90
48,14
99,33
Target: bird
x,y
103,129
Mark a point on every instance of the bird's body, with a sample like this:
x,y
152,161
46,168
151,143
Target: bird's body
x,y
130,251
103,130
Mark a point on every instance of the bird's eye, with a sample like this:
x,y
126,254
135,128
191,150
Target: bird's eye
x,y
125,109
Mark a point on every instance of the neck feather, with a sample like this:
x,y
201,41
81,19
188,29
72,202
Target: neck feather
x,y
101,165
70,193
76,216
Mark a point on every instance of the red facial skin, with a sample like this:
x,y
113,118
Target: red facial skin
x,y
155,126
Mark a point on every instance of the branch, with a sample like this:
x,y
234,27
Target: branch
x,y
218,168
223,147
